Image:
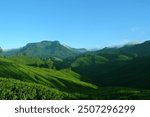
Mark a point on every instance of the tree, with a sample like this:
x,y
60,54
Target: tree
x,y
49,63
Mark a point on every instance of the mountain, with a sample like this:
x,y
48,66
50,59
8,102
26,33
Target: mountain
x,y
1,50
45,49
142,49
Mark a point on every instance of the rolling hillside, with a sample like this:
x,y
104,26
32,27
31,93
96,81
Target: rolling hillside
x,y
116,74
57,79
113,70
15,89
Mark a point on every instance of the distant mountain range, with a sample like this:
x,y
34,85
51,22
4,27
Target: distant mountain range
x,y
45,49
55,49
142,49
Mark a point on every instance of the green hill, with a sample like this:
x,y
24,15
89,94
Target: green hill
x,y
142,49
45,49
114,70
21,81
62,79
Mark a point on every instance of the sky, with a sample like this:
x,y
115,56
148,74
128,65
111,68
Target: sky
x,y
76,23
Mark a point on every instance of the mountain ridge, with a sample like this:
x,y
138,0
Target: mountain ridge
x,y
56,49
45,49
141,49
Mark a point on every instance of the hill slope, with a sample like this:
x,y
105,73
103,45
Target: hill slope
x,y
14,90
114,70
62,80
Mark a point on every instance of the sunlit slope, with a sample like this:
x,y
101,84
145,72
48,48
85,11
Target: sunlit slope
x,y
27,60
65,80
18,81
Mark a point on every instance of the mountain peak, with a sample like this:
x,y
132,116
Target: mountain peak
x,y
46,42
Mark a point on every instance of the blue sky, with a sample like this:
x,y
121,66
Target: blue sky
x,y
77,23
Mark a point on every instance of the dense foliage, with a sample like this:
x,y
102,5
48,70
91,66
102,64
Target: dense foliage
x,y
15,89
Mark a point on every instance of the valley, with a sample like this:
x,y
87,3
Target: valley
x,y
49,70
